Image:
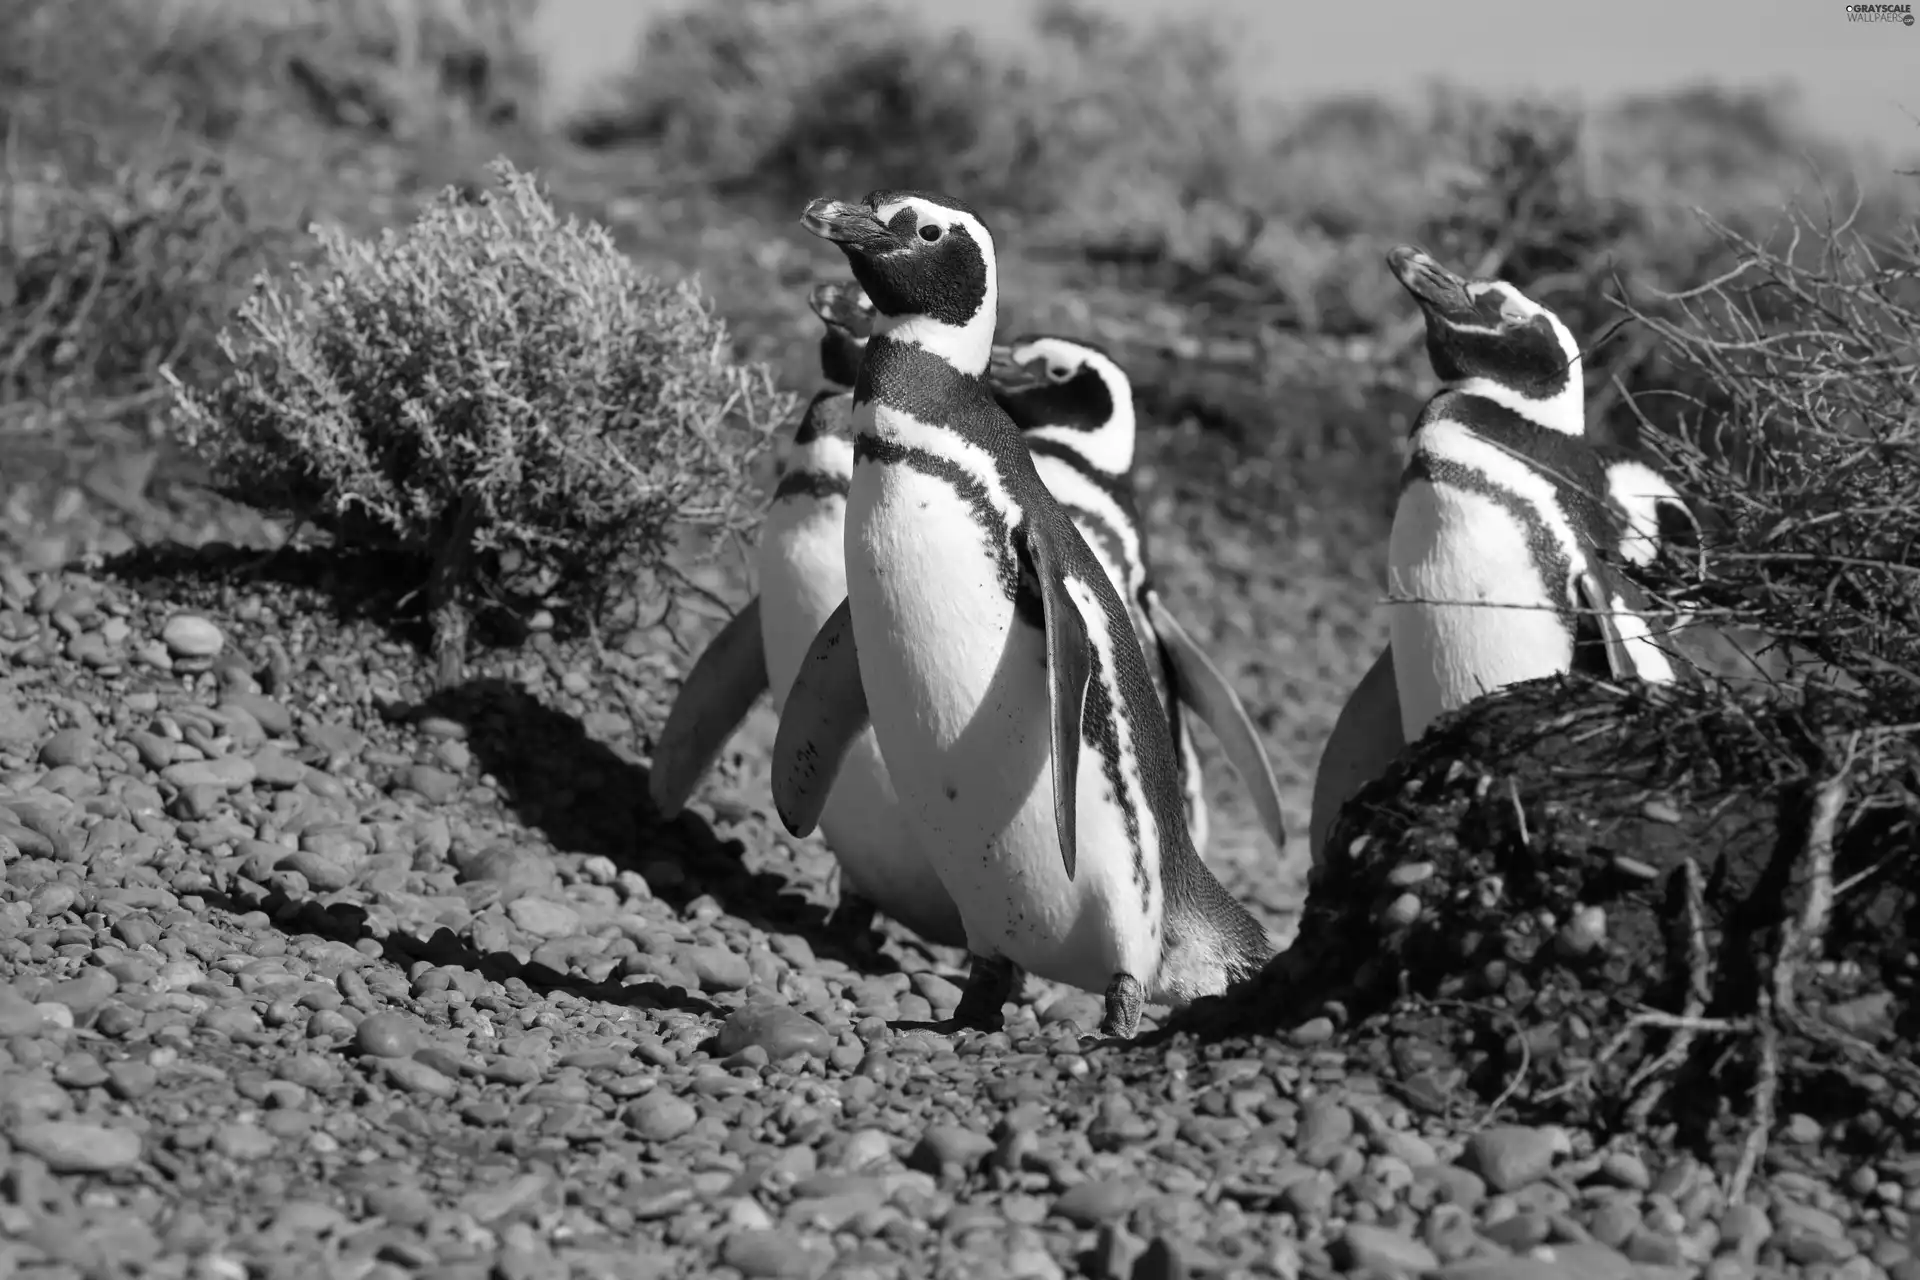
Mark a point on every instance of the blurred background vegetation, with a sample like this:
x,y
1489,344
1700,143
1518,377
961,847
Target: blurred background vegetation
x,y
157,152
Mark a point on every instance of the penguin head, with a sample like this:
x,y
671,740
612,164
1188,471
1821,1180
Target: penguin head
x,y
843,307
1488,337
829,415
1071,389
927,264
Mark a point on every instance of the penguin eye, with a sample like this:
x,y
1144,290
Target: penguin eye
x,y
1059,373
929,233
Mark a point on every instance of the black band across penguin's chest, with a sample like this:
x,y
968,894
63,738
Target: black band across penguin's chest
x,y
810,484
1548,553
1570,464
903,379
990,518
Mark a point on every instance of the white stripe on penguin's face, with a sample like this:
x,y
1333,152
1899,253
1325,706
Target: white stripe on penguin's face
x,y
1110,449
1565,412
966,347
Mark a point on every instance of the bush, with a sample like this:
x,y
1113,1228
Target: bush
x,y
218,69
493,386
1811,453
102,283
1106,127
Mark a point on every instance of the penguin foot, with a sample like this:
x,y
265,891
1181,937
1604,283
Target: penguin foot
x,y
1124,1000
851,922
990,982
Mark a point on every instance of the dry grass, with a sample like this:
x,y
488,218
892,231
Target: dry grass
x,y
1810,448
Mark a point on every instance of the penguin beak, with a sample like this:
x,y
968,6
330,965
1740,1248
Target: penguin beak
x,y
1007,373
851,226
842,304
1438,291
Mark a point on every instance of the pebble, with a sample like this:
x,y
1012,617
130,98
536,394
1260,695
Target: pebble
x,y
946,1147
188,635
436,785
225,773
386,1035
544,919
1511,1156
718,969
770,1254
416,1076
1092,1203
779,1030
1380,1251
68,749
73,1146
242,1141
660,1117
321,873
18,1015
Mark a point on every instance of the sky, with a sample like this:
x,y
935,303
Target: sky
x,y
1860,81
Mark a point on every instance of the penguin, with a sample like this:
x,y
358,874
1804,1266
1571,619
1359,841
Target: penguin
x,y
1504,500
802,578
1506,495
1651,514
995,661
1074,404
1496,564
1367,735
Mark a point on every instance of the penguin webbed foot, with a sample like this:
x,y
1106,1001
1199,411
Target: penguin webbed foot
x,y
1125,999
851,922
990,983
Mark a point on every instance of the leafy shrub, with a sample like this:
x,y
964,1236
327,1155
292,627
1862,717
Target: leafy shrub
x,y
493,386
102,283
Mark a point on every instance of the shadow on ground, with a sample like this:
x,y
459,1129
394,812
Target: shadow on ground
x,y
586,798
348,922
376,584
556,777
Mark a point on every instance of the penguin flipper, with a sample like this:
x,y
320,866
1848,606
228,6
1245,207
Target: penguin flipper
x,y
1069,667
727,678
1365,740
1599,646
826,709
1206,690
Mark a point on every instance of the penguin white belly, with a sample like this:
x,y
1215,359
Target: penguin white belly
x,y
1452,545
802,581
957,688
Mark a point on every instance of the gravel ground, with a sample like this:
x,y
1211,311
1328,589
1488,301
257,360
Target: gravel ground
x,y
301,975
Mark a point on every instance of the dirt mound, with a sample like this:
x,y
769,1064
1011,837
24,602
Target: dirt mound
x,y
1625,907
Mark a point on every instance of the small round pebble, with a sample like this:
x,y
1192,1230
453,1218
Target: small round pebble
x,y
189,635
